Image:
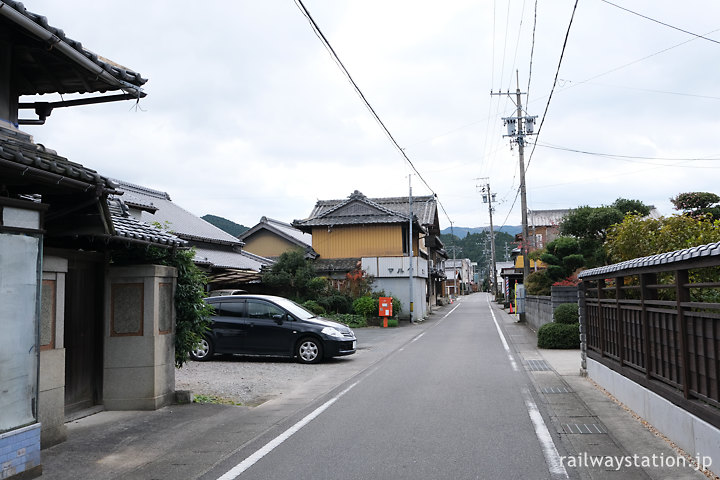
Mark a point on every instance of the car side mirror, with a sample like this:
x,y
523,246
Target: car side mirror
x,y
279,318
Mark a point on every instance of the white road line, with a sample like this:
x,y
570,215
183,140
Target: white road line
x,y
448,314
417,338
238,469
502,339
552,457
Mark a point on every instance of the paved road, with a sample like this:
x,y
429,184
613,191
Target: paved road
x,y
450,403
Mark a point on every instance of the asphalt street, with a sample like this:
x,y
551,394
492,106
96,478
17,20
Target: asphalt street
x,y
464,395
448,404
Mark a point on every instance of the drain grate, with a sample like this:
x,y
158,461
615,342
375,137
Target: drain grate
x,y
538,366
555,390
584,428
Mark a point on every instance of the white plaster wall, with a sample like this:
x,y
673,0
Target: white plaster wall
x,y
695,436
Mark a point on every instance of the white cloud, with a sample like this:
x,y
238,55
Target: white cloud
x,y
247,115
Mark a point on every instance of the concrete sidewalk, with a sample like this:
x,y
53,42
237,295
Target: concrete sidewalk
x,y
590,424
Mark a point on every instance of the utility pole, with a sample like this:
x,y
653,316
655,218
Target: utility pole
x,y
454,247
489,198
518,127
410,249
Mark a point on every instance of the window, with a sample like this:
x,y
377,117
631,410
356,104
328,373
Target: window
x,y
264,310
230,309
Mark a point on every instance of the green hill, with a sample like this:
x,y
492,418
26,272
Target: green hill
x,y
226,225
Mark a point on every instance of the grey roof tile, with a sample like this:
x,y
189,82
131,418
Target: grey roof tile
x,y
181,222
667,258
18,148
230,259
359,209
127,227
89,83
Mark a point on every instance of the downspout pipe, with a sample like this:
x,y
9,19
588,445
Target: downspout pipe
x,y
73,54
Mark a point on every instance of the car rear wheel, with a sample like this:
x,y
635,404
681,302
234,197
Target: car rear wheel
x,y
309,350
202,351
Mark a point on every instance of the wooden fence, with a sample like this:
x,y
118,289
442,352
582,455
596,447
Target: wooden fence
x,y
656,320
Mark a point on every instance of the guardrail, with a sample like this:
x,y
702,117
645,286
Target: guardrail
x,y
656,320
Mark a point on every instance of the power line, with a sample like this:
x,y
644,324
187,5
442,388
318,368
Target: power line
x,y
547,105
335,56
661,23
627,157
552,90
532,52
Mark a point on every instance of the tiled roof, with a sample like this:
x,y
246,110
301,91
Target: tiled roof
x,y
181,222
336,264
127,227
357,209
18,152
282,229
230,259
53,62
546,218
708,250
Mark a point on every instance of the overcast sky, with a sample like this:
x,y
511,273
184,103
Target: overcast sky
x,y
247,113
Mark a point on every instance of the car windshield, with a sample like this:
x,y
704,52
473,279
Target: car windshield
x,y
295,309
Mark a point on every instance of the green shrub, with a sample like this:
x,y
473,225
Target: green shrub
x,y
392,322
559,335
365,306
337,303
538,283
314,307
566,313
352,321
396,303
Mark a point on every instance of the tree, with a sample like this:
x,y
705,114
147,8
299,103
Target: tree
x,y
294,276
640,237
563,257
590,224
631,206
696,204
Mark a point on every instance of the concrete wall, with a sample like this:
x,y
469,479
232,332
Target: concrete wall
x,y
695,436
139,353
51,398
400,288
391,274
539,309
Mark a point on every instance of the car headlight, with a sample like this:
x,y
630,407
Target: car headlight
x,y
333,332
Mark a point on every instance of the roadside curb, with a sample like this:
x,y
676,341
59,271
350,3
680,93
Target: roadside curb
x,y
589,424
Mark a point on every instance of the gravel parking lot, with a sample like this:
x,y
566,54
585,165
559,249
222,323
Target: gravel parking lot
x,y
250,381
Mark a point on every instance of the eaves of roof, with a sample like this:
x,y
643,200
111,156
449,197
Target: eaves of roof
x,y
129,228
661,261
180,221
41,165
56,63
270,227
389,210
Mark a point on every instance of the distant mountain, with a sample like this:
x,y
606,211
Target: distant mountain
x,y
226,225
460,232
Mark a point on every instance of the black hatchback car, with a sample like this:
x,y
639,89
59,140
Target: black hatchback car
x,y
275,326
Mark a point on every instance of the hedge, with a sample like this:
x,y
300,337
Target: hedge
x,y
559,335
566,313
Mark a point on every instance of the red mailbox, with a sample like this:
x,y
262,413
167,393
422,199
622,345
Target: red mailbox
x,y
385,304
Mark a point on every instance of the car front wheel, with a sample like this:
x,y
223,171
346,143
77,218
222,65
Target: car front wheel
x,y
309,350
202,351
